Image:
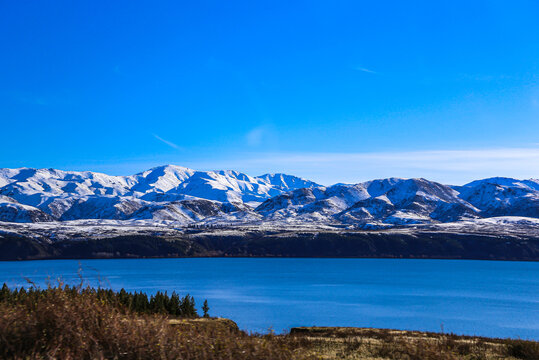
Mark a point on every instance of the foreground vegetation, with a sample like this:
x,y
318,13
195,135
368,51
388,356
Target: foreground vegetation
x,y
84,323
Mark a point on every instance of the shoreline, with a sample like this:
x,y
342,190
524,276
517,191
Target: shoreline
x,y
271,257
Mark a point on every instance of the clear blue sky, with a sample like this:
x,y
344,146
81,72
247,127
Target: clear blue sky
x,y
333,91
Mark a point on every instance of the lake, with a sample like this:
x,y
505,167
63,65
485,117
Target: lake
x,y
489,298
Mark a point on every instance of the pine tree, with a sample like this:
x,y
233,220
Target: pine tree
x,y
4,293
174,304
206,308
187,307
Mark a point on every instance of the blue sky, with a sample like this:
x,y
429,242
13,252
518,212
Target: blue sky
x,y
334,91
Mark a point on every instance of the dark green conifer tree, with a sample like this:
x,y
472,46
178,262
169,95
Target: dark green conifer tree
x,y
174,304
206,308
4,293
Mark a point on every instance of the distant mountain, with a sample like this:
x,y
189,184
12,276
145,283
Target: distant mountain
x,y
185,196
383,202
50,194
408,201
503,196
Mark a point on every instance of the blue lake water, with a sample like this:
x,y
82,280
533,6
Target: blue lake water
x,y
490,298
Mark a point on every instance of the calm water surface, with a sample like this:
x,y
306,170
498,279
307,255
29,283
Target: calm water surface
x,y
490,298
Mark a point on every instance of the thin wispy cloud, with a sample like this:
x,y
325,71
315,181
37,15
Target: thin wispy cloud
x,y
169,143
363,69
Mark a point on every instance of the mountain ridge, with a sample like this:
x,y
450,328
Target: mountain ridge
x,y
183,196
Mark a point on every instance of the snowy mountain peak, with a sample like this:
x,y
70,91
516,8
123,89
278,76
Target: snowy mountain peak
x,y
288,182
507,182
160,179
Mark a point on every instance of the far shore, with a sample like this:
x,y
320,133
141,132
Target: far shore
x,y
278,244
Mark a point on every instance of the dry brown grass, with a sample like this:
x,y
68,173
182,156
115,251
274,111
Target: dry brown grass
x,y
59,325
365,343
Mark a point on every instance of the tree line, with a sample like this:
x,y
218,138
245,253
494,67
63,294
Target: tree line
x,y
138,302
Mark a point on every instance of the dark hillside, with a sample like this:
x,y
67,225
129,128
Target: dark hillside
x,y
428,245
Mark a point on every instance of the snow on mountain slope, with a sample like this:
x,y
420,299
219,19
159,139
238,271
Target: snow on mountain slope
x,y
184,196
502,196
286,182
34,186
515,225
231,186
12,211
408,201
532,184
395,201
70,195
102,207
185,211
160,179
312,204
225,186
391,201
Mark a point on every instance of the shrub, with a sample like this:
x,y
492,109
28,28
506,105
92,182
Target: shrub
x,y
522,349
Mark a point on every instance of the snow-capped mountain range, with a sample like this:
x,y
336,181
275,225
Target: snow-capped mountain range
x,y
163,193
184,196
